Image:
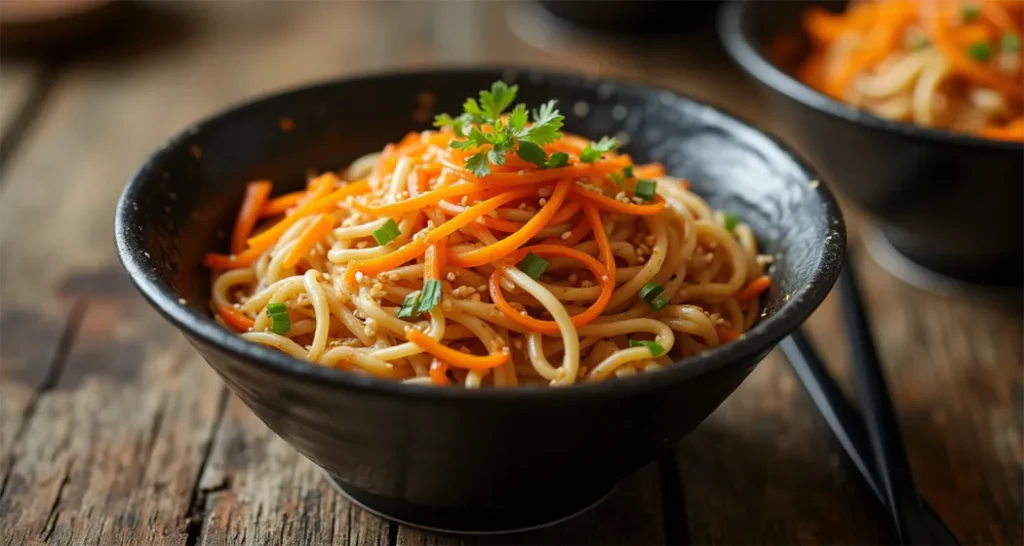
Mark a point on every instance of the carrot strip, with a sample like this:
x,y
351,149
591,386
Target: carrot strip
x,y
726,334
576,234
280,205
434,260
214,260
608,203
650,170
422,200
606,281
256,194
235,318
321,226
265,240
439,372
476,211
455,358
515,240
754,289
375,266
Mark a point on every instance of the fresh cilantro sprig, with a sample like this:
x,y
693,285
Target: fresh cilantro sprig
x,y
595,150
483,128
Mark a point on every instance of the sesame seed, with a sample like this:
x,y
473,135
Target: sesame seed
x,y
566,235
542,201
450,276
182,301
544,192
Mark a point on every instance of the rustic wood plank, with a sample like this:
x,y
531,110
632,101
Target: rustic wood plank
x,y
631,515
256,489
956,373
113,450
762,469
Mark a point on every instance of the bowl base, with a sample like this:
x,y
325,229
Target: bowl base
x,y
920,276
468,521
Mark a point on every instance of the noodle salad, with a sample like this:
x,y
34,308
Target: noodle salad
x,y
947,64
494,251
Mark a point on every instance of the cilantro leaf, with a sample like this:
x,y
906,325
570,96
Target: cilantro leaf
x,y
529,151
495,101
547,121
496,156
517,119
558,159
477,164
595,150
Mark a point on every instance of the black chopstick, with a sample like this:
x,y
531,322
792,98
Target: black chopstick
x,y
883,430
846,424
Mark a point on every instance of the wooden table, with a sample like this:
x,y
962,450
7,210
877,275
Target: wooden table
x,y
114,430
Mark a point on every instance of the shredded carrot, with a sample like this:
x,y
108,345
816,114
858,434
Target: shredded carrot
x,y
439,372
317,230
604,280
509,244
280,205
217,261
434,260
453,357
607,203
650,170
375,266
235,318
754,289
265,240
256,194
422,200
476,211
726,334
1012,131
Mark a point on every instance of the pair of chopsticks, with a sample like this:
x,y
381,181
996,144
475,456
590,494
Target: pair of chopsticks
x,y
872,442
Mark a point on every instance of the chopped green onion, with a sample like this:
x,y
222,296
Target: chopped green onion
x,y
387,233
730,220
409,305
969,13
650,291
980,51
533,265
430,297
645,189
660,302
655,348
1010,43
627,171
280,322
617,178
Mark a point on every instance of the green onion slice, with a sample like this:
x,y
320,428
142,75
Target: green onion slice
x,y
387,233
655,348
730,220
969,13
980,51
533,265
280,322
650,291
645,189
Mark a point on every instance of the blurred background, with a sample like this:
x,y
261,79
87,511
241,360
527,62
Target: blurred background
x,y
89,88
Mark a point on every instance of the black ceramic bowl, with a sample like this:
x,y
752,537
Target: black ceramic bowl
x,y
469,460
951,203
631,17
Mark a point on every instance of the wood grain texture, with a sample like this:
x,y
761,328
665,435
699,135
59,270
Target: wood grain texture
x,y
112,429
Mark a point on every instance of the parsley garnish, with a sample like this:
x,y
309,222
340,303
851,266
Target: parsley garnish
x,y
595,150
504,136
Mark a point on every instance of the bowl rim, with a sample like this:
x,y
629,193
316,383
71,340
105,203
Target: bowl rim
x,y
739,45
761,338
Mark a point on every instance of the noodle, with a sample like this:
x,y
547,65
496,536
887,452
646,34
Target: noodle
x,y
410,266
947,64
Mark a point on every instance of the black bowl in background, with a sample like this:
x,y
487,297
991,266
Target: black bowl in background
x,y
948,202
469,460
631,17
